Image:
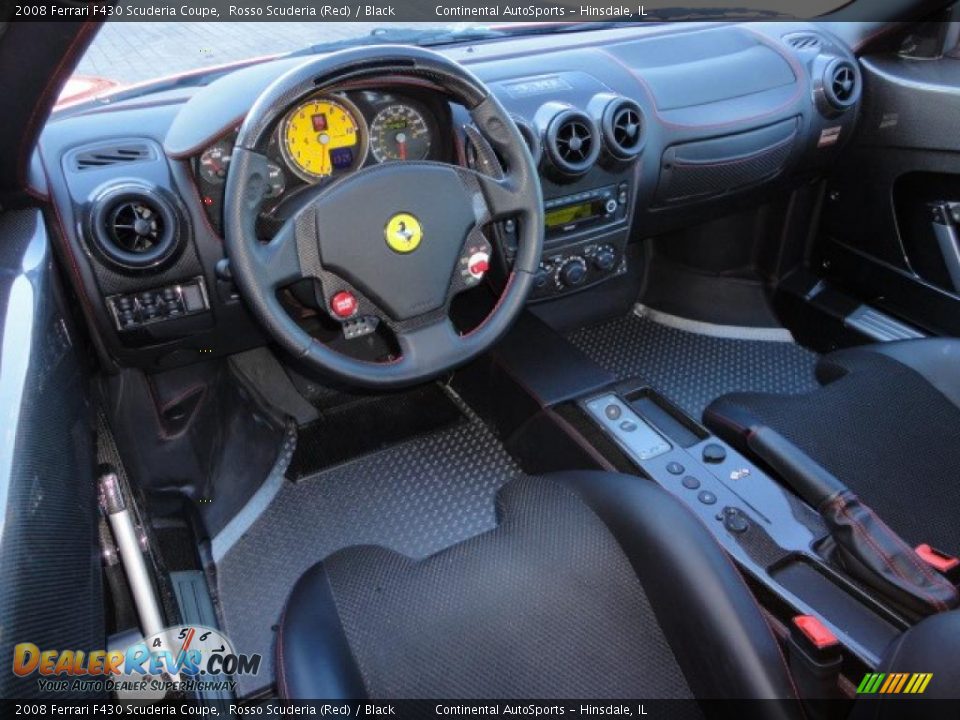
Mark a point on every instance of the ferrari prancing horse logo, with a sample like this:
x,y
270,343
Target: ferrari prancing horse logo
x,y
403,233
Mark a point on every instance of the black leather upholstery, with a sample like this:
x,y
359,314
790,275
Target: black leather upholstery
x,y
932,645
367,616
698,595
886,422
310,623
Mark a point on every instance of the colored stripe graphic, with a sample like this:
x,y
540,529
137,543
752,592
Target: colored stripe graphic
x,y
894,683
886,684
900,683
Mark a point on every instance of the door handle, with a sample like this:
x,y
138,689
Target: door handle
x,y
944,218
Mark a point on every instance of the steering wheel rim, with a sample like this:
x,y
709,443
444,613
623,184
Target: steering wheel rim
x,y
312,240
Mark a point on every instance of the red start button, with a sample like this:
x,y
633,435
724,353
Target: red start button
x,y
343,304
478,264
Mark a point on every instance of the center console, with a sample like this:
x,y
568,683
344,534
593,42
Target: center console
x,y
774,536
587,142
585,236
550,395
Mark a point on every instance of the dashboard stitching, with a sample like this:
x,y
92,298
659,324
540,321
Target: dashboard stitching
x,y
798,93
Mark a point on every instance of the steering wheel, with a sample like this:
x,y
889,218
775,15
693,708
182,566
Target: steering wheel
x,y
395,241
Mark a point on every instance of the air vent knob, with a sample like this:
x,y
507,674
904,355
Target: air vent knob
x,y
142,227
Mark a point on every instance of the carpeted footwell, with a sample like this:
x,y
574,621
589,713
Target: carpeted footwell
x,y
692,369
416,498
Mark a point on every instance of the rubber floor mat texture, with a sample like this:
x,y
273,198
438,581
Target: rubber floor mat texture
x,y
417,498
692,369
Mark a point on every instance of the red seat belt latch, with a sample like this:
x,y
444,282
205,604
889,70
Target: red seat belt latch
x,y
936,559
815,631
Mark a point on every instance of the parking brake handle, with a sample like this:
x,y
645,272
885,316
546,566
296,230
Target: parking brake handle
x,y
866,547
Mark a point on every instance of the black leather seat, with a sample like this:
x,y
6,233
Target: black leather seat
x,y
886,422
933,644
592,585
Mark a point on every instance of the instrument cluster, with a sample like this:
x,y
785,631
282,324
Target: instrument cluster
x,y
327,136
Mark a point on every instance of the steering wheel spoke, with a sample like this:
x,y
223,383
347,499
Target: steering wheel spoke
x,y
502,197
433,344
279,260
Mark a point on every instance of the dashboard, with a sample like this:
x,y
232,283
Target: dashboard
x,y
637,131
326,136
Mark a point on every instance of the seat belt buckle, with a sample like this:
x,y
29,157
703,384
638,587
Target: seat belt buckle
x,y
814,635
946,565
816,658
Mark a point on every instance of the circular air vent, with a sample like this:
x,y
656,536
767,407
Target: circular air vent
x,y
572,142
133,226
841,84
623,127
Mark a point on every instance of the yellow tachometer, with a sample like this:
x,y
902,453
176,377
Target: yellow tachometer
x,y
322,136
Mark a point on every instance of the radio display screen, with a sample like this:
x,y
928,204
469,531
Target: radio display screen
x,y
558,217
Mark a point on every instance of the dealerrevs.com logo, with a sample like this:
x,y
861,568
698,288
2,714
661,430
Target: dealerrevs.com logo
x,y
188,658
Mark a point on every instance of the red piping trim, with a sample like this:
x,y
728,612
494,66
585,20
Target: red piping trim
x,y
799,74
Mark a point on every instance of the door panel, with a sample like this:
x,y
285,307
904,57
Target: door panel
x,y
888,221
50,583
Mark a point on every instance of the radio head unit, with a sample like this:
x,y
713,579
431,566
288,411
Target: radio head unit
x,y
591,208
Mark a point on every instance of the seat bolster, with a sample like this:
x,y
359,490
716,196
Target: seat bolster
x,y
932,645
313,657
714,625
936,360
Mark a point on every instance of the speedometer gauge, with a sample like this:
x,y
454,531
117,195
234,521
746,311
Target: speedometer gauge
x,y
322,136
399,132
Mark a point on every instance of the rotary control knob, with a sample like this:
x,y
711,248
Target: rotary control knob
x,y
605,258
540,278
572,272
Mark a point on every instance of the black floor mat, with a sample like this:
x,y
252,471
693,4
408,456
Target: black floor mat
x,y
367,424
692,369
417,497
